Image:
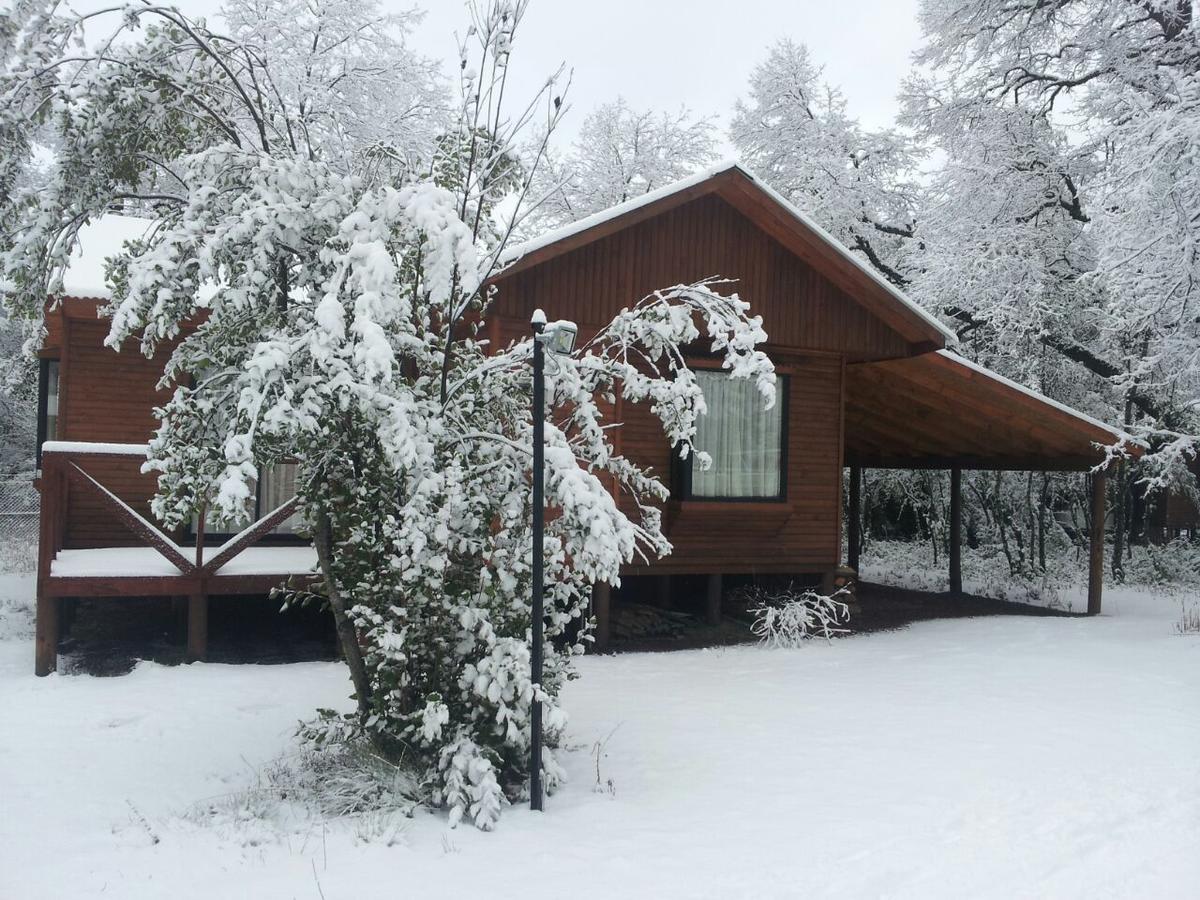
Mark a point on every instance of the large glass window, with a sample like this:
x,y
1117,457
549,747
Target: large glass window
x,y
275,486
744,440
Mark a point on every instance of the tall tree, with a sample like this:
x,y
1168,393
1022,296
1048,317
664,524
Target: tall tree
x,y
621,153
794,130
1005,250
1123,75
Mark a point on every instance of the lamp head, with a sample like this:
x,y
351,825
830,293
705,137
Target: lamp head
x,y
560,337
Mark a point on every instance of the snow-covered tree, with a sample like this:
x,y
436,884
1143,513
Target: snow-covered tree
x,y
794,130
1005,253
1122,76
328,308
18,399
621,153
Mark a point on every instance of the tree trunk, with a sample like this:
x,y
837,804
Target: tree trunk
x,y
1120,509
1043,503
347,634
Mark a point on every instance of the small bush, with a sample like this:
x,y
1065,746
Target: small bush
x,y
344,781
791,616
1189,620
1173,566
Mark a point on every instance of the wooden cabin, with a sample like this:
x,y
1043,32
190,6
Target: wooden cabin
x,y
866,381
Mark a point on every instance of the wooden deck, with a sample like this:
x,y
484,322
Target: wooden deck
x,y
156,565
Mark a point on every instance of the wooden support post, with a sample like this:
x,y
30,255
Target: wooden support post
x,y
854,531
955,553
197,631
1096,547
46,635
713,600
602,610
179,617
663,591
51,536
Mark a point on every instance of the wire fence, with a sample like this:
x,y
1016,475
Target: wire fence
x,y
19,505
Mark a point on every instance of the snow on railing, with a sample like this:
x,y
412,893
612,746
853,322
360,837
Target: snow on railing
x,y
95,448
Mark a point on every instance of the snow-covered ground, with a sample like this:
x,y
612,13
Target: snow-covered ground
x,y
995,757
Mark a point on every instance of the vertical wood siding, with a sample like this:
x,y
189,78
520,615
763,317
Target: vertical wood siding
x,y
107,396
704,238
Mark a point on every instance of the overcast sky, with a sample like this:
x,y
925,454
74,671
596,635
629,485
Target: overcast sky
x,y
665,54
699,53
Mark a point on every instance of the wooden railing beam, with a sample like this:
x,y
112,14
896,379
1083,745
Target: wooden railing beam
x,y
251,535
136,523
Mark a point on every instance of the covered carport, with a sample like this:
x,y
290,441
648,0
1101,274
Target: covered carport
x,y
940,411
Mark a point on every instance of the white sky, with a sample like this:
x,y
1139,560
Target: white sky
x,y
664,54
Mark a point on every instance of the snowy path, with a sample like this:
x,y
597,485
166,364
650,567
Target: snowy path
x,y
992,757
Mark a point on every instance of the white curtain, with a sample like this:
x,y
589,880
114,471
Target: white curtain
x,y
276,485
279,486
743,439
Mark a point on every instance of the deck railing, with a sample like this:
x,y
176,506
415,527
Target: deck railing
x,y
72,468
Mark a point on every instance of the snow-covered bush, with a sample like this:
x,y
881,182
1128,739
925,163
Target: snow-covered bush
x,y
348,781
986,571
1189,618
327,299
789,617
1172,566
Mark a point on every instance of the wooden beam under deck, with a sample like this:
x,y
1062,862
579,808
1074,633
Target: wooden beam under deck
x,y
164,585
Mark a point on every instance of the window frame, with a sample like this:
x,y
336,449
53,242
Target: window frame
x,y
681,476
43,404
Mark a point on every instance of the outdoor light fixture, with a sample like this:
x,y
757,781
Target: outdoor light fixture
x,y
560,338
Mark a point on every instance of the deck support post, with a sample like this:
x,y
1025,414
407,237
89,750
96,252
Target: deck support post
x,y
602,610
955,553
662,591
854,529
197,630
46,634
712,606
1096,546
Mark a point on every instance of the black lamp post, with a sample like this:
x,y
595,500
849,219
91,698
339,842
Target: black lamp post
x,y
560,337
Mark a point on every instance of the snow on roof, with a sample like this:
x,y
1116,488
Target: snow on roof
x,y
98,241
1117,434
512,254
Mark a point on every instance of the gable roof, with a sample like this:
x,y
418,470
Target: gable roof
x,y
764,206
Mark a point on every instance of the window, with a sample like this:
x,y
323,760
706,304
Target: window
x,y
276,485
47,404
745,441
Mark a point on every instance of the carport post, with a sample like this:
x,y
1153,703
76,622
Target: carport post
x,y
602,610
955,532
712,605
1096,545
854,536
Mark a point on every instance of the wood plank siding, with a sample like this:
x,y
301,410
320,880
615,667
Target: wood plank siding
x,y
703,238
812,326
104,397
